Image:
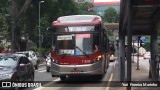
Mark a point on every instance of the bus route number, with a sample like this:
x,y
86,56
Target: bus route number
x,y
86,61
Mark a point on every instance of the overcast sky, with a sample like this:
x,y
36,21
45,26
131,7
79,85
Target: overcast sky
x,y
105,0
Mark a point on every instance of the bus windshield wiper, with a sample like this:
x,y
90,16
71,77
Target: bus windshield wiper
x,y
82,51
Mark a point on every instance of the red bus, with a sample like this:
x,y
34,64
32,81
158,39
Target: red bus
x,y
79,46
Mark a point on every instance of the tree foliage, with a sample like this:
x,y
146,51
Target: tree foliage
x,y
111,15
147,46
5,18
84,8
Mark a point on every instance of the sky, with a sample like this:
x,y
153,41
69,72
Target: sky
x,y
105,0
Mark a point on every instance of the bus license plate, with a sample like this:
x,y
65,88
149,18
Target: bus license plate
x,y
75,72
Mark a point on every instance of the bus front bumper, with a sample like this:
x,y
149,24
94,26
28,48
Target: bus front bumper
x,y
88,69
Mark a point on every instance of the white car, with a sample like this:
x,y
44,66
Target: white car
x,y
31,56
147,55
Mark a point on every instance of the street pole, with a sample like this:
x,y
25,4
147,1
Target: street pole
x,y
138,53
138,57
133,52
40,24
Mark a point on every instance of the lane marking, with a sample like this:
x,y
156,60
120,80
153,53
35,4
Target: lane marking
x,y
42,71
110,79
108,84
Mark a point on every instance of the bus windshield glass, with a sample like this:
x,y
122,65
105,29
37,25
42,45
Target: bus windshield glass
x,y
76,44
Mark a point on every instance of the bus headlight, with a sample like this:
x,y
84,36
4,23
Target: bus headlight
x,y
99,58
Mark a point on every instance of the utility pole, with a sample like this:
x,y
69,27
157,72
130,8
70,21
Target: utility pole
x,y
133,51
12,29
40,24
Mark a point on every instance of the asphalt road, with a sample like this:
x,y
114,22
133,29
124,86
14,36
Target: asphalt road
x,y
72,83
42,76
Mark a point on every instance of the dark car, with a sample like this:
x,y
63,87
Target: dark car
x,y
16,67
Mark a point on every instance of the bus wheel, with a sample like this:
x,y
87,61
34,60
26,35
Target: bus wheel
x,y
63,78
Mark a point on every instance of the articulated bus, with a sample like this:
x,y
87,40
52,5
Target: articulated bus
x,y
79,46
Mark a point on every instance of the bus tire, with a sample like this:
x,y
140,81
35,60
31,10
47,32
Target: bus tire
x,y
63,78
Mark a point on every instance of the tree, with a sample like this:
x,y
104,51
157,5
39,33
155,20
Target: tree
x,y
117,17
23,18
17,12
59,8
86,8
111,15
5,19
147,46
50,11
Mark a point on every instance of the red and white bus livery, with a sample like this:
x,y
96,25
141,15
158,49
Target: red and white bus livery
x,y
79,46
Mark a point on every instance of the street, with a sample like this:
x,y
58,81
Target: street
x,y
42,75
77,83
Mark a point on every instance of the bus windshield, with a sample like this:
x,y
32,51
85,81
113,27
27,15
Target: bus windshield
x,y
76,44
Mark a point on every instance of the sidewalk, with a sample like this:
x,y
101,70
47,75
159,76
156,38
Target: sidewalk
x,y
137,75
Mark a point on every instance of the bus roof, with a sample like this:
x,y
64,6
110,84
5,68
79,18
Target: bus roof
x,y
77,20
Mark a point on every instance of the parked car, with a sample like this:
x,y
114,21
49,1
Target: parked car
x,y
147,55
31,56
16,67
48,62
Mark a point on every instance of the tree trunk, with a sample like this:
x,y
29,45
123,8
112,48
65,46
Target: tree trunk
x,y
16,19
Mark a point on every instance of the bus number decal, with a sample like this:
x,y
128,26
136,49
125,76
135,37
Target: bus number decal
x,y
86,61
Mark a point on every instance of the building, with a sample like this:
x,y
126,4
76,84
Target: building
x,y
100,7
